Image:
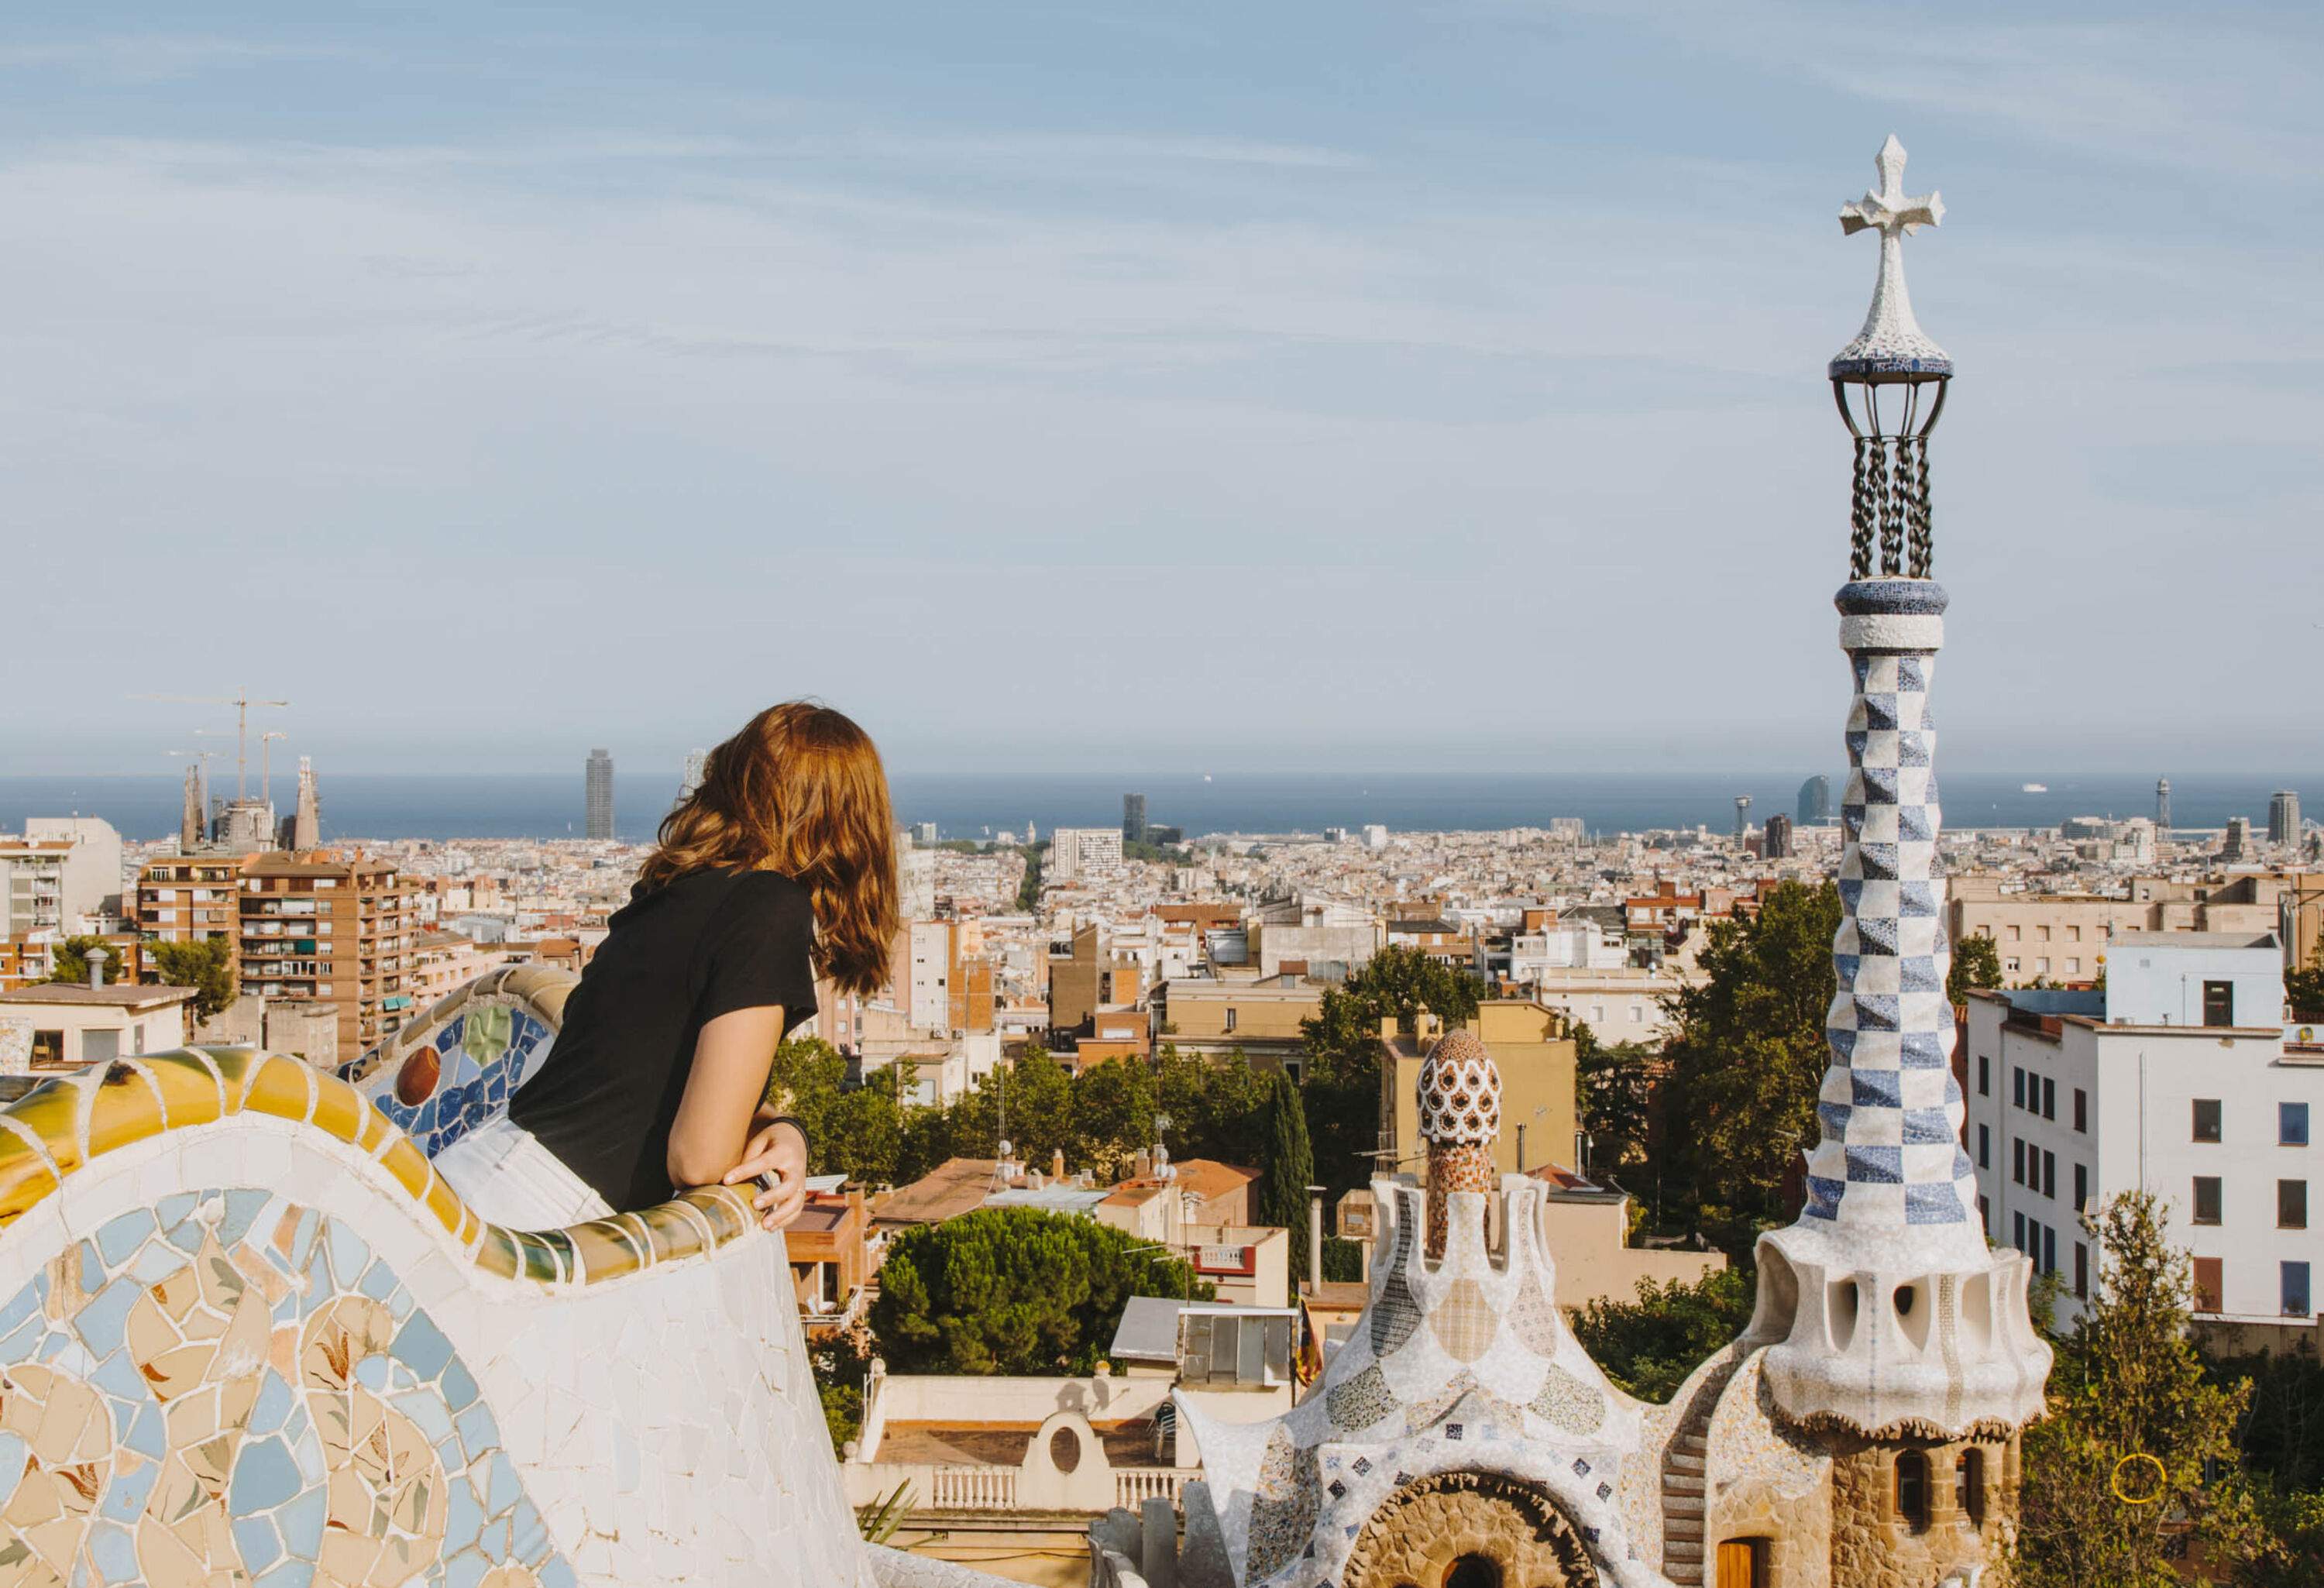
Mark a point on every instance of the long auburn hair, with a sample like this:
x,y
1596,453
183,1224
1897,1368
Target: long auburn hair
x,y
799,790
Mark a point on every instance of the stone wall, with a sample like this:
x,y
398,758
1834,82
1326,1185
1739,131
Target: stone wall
x,y
1873,1546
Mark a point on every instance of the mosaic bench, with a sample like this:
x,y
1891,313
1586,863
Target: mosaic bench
x,y
249,1336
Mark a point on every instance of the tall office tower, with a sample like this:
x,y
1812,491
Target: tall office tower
x,y
600,791
1815,801
307,820
2238,844
1742,816
2162,808
923,834
1779,836
191,823
2283,816
697,762
1133,818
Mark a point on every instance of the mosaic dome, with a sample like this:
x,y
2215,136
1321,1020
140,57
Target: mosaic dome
x,y
1460,1091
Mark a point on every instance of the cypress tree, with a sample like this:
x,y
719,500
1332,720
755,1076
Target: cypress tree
x,y
1288,1165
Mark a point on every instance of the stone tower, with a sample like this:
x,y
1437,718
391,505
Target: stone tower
x,y
1896,1340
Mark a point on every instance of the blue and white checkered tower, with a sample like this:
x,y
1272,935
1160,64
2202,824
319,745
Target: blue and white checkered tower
x,y
1883,1306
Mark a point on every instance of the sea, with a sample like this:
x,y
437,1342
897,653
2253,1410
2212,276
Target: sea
x,y
357,807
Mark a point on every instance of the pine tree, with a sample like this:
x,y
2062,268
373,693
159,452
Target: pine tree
x,y
2132,1412
1287,1165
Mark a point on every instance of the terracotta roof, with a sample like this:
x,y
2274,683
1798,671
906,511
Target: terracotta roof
x,y
955,1186
1207,1177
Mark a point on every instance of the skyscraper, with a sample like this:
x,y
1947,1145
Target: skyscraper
x,y
2162,808
1742,816
1779,836
2283,816
599,785
1815,801
1133,818
2238,844
697,762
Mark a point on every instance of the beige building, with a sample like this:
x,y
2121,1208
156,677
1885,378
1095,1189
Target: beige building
x,y
1262,1017
1624,1004
66,1025
1535,1056
2063,937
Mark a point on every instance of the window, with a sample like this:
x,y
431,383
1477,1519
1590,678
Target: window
x,y
2073,966
2010,965
2017,1231
2048,1250
2049,1174
1637,1015
2218,1003
2017,1086
2049,1098
2042,966
2082,1186
2017,1159
1983,1076
1984,1147
2073,934
2082,1111
1969,1486
1912,1489
2290,1124
2210,1281
2292,1204
2081,1270
2043,933
2016,933
2207,1119
2206,1199
2296,1290
1231,1020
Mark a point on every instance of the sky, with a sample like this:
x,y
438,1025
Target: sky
x,y
1124,387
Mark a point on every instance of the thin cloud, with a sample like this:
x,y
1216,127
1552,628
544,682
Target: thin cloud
x,y
143,58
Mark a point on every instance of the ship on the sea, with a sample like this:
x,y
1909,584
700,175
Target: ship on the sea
x,y
2034,787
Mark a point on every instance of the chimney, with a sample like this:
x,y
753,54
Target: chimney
x,y
1057,1165
96,958
1314,1240
1141,1168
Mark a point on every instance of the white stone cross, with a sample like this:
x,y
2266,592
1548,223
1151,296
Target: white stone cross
x,y
1892,340
1889,209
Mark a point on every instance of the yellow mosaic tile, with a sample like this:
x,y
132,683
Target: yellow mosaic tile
x,y
339,1108
499,1253
24,1176
605,1249
674,1229
127,1108
281,1088
190,1094
445,1203
547,1261
52,1115
409,1164
728,1211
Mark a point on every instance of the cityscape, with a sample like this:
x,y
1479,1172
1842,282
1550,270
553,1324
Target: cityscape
x,y
1659,1127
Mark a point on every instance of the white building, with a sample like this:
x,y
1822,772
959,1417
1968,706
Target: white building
x,y
65,1025
1624,1004
2176,1078
90,877
1075,852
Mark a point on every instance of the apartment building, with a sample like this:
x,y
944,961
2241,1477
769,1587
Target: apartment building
x,y
2176,1078
32,885
1261,1018
191,898
326,926
2062,936
1078,853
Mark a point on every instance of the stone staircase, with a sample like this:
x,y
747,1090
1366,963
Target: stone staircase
x,y
1683,1498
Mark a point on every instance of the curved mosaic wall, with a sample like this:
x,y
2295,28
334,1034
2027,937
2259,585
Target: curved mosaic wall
x,y
232,1388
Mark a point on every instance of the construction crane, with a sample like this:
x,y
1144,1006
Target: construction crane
x,y
242,704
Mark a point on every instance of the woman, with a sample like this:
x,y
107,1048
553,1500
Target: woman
x,y
780,867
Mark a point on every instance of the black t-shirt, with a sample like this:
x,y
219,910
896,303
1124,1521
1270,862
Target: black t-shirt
x,y
707,945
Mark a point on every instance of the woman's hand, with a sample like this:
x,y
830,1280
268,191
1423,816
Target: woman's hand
x,y
778,1150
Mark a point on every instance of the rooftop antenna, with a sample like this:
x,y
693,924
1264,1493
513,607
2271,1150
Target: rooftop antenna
x,y
242,704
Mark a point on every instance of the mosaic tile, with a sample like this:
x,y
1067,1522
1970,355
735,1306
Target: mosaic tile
x,y
1566,1402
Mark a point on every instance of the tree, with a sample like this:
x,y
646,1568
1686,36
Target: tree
x,y
2303,989
1746,1060
1217,1106
1648,1346
2129,1403
1341,1087
1977,963
1112,1111
1014,1291
1028,892
1617,1098
68,959
1287,1166
205,965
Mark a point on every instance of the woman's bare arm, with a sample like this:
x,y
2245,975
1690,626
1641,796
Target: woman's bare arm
x,y
723,1131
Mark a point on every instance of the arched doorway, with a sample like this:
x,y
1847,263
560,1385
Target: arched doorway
x,y
1470,1531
